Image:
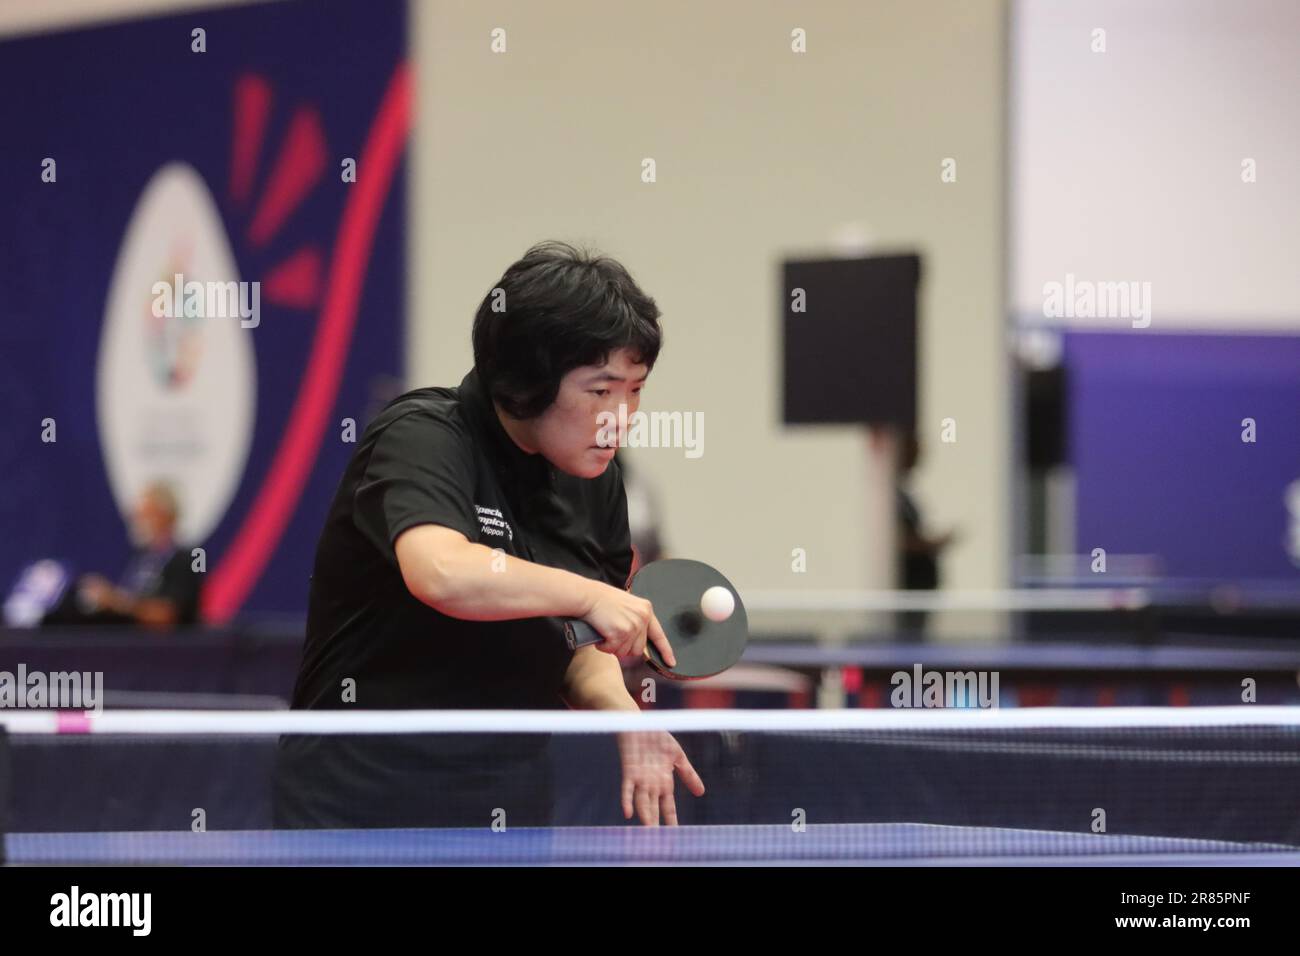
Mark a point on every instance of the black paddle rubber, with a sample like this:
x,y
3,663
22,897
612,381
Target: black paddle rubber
x,y
674,587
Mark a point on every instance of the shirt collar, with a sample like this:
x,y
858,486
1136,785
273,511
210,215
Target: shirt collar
x,y
510,458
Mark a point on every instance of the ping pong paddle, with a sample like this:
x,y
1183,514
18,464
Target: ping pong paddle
x,y
674,586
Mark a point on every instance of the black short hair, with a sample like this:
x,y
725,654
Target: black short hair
x,y
556,309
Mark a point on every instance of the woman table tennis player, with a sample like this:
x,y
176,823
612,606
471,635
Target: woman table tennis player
x,y
469,521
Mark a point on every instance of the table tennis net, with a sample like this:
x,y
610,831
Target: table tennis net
x,y
858,787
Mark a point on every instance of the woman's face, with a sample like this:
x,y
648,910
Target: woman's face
x,y
575,433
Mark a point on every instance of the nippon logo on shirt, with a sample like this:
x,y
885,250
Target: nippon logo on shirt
x,y
493,523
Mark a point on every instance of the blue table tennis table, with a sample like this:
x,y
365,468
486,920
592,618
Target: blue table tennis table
x,y
889,844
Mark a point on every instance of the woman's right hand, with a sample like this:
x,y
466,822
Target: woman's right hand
x,y
626,622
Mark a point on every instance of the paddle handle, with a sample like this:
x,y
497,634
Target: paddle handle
x,y
580,634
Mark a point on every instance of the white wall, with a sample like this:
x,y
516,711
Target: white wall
x,y
1126,165
761,153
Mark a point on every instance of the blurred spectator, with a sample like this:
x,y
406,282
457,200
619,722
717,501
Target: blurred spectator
x,y
918,553
158,589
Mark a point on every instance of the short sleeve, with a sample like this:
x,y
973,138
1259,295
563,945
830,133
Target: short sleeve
x,y
420,471
618,535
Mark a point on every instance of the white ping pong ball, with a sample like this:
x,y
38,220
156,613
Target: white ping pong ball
x,y
717,604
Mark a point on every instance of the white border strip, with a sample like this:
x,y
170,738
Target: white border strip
x,y
255,723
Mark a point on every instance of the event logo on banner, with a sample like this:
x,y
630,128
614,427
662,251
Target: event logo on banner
x,y
204,279
176,391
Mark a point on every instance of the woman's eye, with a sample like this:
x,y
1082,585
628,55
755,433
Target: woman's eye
x,y
602,392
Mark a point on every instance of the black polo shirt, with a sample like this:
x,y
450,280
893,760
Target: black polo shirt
x,y
166,574
436,456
